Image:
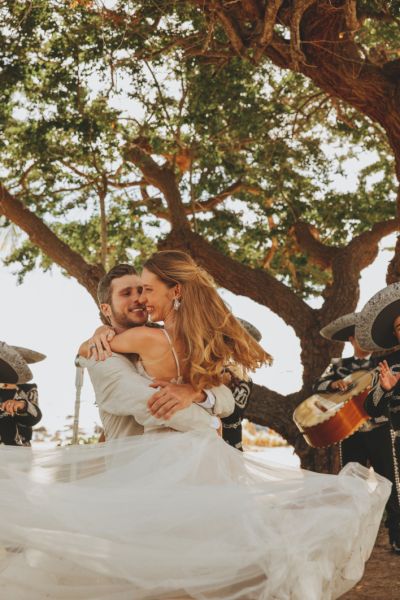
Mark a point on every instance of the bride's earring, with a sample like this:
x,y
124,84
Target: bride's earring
x,y
176,304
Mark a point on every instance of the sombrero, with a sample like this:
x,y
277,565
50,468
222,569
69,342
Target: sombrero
x,y
13,363
251,329
374,329
341,328
30,356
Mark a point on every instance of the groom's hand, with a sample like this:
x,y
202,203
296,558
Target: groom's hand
x,y
171,398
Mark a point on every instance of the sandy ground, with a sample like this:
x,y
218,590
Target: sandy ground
x,y
381,580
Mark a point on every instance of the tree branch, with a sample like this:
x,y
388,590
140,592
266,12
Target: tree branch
x,y
269,408
124,184
231,29
41,235
393,272
102,194
350,11
210,203
325,52
347,266
241,279
299,8
164,179
271,11
307,239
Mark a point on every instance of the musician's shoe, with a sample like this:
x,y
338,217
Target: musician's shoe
x,y
396,548
394,537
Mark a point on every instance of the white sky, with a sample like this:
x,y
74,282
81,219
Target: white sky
x,y
53,314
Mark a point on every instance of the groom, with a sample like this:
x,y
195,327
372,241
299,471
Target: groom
x,y
125,409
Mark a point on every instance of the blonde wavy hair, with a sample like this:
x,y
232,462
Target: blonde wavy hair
x,y
212,338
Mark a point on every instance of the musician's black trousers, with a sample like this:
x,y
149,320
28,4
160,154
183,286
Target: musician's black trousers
x,y
374,448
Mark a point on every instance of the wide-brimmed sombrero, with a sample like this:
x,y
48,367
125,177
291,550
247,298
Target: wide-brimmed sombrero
x,y
374,328
30,356
341,328
14,363
251,329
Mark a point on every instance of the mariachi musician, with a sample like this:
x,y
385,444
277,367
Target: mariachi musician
x,y
378,328
364,446
241,390
19,410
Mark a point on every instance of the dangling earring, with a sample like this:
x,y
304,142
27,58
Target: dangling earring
x,y
176,304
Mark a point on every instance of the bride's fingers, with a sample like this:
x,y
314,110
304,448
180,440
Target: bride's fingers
x,y
174,408
166,408
93,350
157,401
105,341
100,348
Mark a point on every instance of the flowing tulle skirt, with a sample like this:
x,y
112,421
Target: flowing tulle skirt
x,y
171,515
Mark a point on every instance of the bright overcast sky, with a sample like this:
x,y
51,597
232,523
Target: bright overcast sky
x,y
53,314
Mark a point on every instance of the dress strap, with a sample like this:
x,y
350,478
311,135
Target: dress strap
x,y
173,352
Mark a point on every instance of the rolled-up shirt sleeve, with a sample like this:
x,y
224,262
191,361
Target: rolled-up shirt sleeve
x,y
224,401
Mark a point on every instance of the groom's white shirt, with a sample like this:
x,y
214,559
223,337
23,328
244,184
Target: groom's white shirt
x,y
122,392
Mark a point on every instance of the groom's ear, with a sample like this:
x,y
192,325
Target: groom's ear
x,y
105,310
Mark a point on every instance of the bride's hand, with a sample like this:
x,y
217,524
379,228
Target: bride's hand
x,y
171,397
99,343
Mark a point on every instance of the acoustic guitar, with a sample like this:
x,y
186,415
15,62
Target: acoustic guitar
x,y
328,418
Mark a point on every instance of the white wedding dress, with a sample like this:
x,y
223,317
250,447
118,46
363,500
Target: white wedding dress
x,y
180,515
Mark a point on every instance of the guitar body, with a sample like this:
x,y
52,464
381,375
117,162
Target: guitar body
x,y
325,419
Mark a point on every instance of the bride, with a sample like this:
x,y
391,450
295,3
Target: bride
x,y
181,515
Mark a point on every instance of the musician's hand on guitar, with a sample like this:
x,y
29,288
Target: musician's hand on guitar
x,y
387,379
340,385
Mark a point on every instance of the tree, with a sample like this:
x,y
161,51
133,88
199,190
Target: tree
x,y
219,133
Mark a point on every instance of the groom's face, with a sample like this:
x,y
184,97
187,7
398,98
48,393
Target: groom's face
x,y
125,309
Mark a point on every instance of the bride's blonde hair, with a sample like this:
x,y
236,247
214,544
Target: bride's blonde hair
x,y
212,338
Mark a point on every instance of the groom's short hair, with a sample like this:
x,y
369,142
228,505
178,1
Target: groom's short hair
x,y
104,287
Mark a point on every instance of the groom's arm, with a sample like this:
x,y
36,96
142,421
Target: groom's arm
x,y
173,397
121,391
